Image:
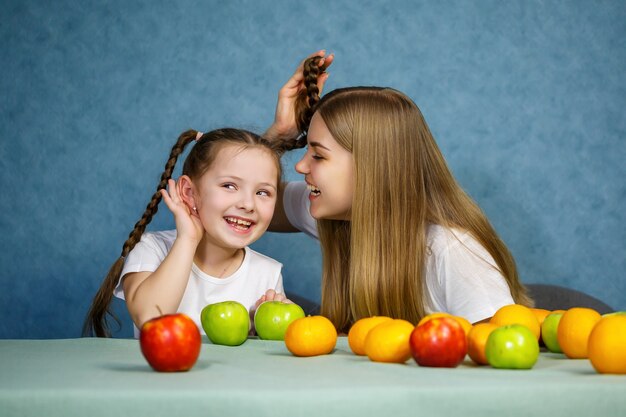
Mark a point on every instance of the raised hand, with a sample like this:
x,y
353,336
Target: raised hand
x,y
285,118
188,224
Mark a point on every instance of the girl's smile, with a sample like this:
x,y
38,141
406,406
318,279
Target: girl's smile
x,y
235,198
240,225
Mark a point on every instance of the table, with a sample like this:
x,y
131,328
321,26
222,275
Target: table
x,y
109,377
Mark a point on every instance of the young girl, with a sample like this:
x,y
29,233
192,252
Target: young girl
x,y
399,236
223,202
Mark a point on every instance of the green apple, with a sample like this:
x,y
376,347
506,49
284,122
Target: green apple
x,y
226,323
272,318
549,331
615,313
512,347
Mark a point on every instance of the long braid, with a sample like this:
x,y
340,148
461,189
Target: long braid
x,y
305,104
96,320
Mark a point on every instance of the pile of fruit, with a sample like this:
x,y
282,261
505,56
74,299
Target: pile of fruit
x,y
510,340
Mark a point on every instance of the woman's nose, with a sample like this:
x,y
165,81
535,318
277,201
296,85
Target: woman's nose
x,y
302,166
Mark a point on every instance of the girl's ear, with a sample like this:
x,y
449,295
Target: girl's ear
x,y
187,192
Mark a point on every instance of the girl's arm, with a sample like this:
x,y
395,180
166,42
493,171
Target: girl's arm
x,y
164,287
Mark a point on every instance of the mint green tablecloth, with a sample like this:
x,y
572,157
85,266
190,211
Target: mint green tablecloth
x,y
98,377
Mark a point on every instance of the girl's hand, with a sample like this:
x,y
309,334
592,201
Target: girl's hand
x,y
188,224
270,295
285,118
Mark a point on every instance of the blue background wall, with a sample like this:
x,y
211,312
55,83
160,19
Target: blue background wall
x,y
526,99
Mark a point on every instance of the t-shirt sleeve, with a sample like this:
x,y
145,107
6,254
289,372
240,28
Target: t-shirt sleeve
x,y
146,256
296,204
473,287
279,284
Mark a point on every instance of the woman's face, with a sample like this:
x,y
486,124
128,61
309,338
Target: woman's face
x,y
328,169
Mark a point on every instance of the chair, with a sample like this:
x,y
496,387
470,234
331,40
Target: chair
x,y
310,307
555,297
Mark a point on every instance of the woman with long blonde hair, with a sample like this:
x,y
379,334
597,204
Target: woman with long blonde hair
x,y
399,236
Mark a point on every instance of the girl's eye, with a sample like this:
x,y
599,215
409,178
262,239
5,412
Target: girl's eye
x,y
230,186
264,193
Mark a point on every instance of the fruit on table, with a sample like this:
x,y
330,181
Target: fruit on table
x,y
462,320
549,332
574,330
311,336
439,342
607,344
477,340
226,323
512,346
517,314
359,330
389,341
170,343
540,314
272,318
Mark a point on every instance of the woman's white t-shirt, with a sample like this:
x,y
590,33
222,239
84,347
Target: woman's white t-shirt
x,y
255,276
461,276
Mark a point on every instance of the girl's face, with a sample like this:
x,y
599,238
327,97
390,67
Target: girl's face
x,y
235,198
328,170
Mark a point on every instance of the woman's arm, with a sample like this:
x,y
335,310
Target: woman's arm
x,y
284,126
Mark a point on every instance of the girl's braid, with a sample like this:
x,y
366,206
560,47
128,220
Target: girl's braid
x,y
96,320
153,205
305,104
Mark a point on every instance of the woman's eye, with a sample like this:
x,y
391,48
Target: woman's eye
x,y
316,157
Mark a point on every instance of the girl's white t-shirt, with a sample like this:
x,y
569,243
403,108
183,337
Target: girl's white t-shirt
x,y
255,276
461,276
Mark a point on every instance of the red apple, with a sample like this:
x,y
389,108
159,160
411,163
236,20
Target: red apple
x,y
170,343
440,342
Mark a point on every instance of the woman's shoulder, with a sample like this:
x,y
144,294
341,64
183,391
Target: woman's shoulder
x,y
442,240
442,237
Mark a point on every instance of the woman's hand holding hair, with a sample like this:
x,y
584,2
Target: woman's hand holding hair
x,y
284,126
188,224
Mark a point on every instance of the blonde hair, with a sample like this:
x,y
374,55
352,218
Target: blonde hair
x,y
374,264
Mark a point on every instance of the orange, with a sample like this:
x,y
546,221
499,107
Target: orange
x,y
574,329
517,314
540,314
607,345
462,320
311,336
476,341
389,341
432,316
360,329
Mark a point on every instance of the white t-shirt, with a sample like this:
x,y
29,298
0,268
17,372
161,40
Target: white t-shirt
x,y
255,276
461,276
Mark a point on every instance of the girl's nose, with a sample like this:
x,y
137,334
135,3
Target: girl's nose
x,y
246,203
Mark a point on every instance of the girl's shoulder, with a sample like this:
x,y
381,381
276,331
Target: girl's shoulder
x,y
161,240
257,259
